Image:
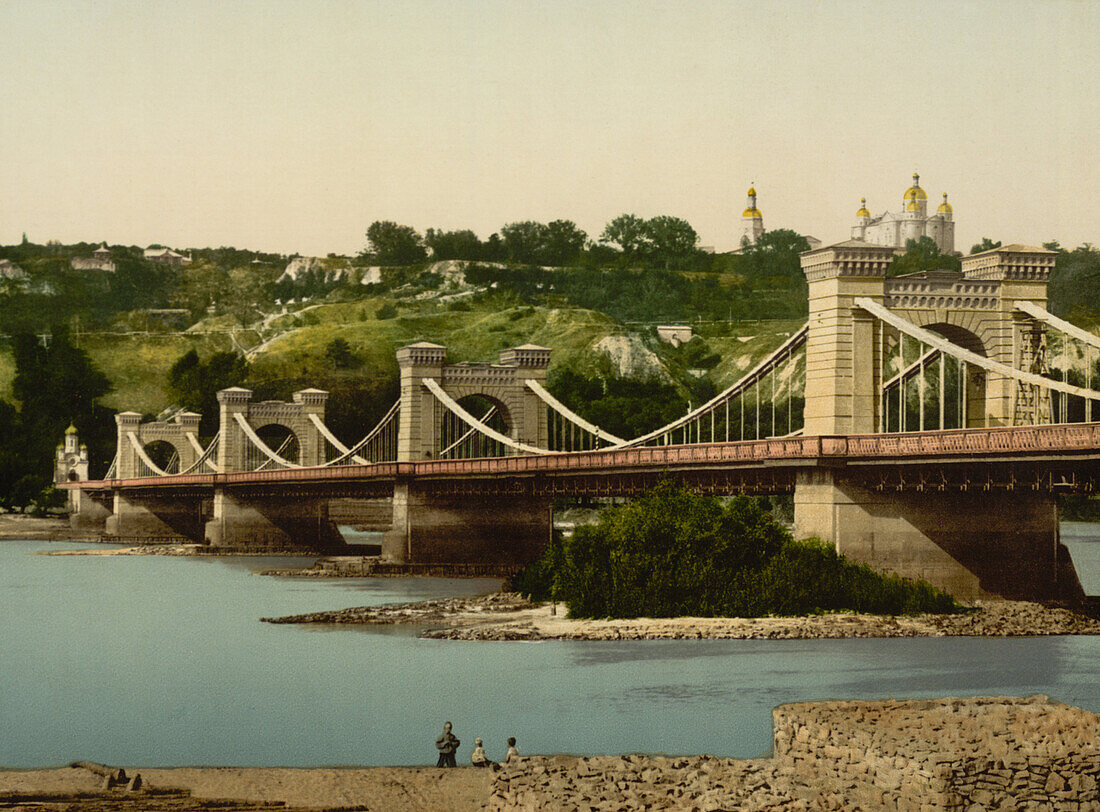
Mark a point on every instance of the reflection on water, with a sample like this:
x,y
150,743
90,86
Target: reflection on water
x,y
150,660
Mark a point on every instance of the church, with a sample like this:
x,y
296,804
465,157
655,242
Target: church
x,y
894,229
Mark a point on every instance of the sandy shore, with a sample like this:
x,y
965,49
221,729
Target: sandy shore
x,y
402,789
18,527
507,616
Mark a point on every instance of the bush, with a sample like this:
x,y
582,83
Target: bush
x,y
671,553
386,311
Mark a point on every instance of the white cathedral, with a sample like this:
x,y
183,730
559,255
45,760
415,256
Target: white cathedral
x,y
911,223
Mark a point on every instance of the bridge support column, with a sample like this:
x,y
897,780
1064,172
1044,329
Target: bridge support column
x,y
971,544
453,529
156,519
87,515
275,523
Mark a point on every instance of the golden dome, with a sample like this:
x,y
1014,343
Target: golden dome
x,y
752,213
913,194
752,191
863,208
71,429
945,207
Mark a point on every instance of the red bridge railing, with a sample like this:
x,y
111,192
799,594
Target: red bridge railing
x,y
1011,440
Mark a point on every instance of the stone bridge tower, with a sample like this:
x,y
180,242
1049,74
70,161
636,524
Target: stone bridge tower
x,y
924,534
433,526
504,384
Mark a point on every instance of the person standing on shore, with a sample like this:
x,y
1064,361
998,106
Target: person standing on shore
x,y
447,745
512,753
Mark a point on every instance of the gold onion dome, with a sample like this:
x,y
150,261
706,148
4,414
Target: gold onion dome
x,y
71,429
752,191
753,212
863,208
913,194
945,207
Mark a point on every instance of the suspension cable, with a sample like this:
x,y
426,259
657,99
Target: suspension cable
x,y
254,438
569,414
797,338
448,402
960,353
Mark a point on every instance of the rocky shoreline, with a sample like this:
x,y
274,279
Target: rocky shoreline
x,y
509,616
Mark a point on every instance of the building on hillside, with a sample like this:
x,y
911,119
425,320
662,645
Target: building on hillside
x,y
167,256
674,334
12,272
752,225
895,229
752,220
100,260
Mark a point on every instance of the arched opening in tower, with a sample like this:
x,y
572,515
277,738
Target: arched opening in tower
x,y
457,440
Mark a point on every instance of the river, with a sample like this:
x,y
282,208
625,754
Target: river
x,y
162,661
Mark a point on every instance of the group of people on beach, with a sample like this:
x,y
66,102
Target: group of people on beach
x,y
447,745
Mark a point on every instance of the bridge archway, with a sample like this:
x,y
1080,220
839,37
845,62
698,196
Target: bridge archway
x,y
165,439
164,454
272,420
426,428
846,349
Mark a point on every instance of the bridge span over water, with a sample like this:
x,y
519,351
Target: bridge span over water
x,y
924,424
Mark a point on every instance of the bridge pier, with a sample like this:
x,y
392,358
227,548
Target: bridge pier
x,y
155,518
972,544
459,529
87,515
273,522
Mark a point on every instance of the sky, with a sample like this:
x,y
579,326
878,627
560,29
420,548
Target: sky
x,y
291,126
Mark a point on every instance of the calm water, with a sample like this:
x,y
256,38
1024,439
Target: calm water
x,y
162,661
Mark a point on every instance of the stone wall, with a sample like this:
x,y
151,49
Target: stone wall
x,y
941,754
946,753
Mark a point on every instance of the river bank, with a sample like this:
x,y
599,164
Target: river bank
x,y
508,616
920,755
20,527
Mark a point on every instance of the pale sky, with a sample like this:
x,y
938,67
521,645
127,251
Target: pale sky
x,y
291,126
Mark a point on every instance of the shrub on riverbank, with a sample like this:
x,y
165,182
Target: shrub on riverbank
x,y
671,553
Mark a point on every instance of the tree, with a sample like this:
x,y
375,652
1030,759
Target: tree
x,y
525,241
453,244
985,245
670,239
246,290
922,255
57,384
1074,288
200,285
394,244
628,231
338,351
195,383
564,242
775,254
669,553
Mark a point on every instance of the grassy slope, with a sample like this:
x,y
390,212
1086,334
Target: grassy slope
x,y
137,365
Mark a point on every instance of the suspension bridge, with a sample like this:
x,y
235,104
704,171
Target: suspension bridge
x,y
924,424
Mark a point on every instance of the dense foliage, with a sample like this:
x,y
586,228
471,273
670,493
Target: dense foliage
x,y
56,385
195,384
671,553
922,255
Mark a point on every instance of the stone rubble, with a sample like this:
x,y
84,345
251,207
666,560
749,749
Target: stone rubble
x,y
972,754
994,618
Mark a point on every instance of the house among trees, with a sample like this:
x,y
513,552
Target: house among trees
x,y
100,260
9,271
167,256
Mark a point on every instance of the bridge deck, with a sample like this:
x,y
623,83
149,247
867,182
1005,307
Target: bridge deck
x,y
1054,443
